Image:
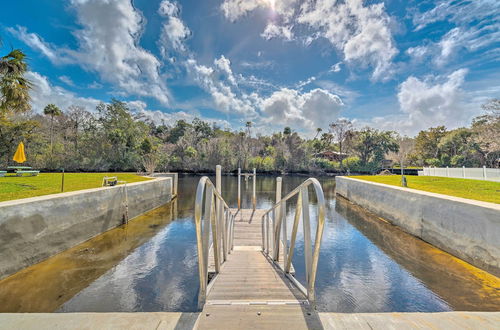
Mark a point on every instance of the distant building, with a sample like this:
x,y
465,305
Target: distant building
x,y
332,155
386,163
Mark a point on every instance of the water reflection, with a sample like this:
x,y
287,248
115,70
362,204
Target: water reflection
x,y
46,285
366,265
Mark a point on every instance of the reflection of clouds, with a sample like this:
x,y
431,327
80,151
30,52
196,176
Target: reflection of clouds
x,y
151,278
354,275
118,284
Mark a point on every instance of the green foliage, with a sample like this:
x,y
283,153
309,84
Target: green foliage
x,y
326,164
14,87
372,145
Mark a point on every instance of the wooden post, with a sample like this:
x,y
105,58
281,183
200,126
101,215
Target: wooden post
x,y
463,172
484,172
62,181
254,196
239,188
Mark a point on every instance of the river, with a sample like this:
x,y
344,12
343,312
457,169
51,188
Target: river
x,y
150,264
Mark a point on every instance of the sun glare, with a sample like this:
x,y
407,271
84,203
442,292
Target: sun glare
x,y
271,4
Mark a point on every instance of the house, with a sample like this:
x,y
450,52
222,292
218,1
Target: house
x,y
332,155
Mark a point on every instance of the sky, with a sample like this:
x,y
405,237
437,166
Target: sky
x,y
396,65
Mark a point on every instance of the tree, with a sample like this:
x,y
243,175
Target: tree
x,y
371,145
248,125
318,130
342,132
406,145
77,116
427,144
51,110
14,87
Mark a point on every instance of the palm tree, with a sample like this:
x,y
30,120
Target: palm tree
x,y
318,130
14,88
51,110
248,125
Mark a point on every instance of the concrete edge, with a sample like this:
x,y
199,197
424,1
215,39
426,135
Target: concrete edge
x,y
179,320
72,193
427,193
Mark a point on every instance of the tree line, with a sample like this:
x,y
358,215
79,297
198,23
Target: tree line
x,y
113,138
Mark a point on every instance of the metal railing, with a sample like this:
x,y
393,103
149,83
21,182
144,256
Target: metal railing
x,y
274,233
212,215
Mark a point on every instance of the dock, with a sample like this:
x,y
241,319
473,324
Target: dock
x,y
250,288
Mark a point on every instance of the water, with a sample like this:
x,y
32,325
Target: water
x,y
366,265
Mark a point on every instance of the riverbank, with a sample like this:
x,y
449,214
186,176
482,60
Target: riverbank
x,y
463,227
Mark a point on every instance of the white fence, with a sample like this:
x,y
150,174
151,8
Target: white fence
x,y
477,173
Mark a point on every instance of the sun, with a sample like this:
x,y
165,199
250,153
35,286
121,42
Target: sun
x,y
271,4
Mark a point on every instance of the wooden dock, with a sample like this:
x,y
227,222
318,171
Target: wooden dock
x,y
251,291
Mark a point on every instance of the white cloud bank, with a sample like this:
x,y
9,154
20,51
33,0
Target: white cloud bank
x,y
108,46
361,32
429,102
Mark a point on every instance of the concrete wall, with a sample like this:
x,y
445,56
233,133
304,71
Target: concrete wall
x,y
174,176
465,228
33,229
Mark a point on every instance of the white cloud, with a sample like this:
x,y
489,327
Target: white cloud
x,y
34,41
44,93
362,33
174,31
108,47
458,12
160,117
336,67
454,41
220,83
306,111
274,31
67,80
424,103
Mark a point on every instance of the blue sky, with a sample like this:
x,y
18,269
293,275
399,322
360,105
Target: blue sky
x,y
403,65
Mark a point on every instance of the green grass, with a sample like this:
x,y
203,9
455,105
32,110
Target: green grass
x,y
486,191
12,187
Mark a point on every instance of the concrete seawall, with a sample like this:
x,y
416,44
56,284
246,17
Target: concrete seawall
x,y
34,229
465,228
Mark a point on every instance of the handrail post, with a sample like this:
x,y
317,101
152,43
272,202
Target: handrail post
x,y
239,188
293,236
277,222
307,234
221,228
254,196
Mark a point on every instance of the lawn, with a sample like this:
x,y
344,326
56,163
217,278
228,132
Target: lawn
x,y
486,191
12,187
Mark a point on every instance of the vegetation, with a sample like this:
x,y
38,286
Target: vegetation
x,y
486,191
13,187
112,138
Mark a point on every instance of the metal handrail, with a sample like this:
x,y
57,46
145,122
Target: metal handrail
x,y
211,211
274,233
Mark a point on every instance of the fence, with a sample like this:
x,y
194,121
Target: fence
x,y
477,173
